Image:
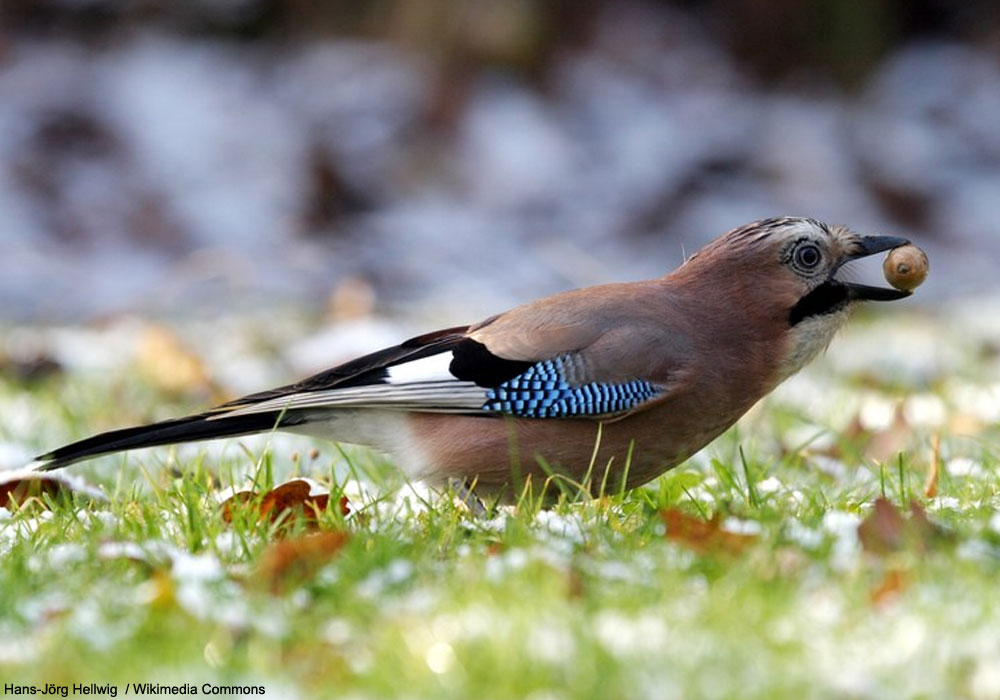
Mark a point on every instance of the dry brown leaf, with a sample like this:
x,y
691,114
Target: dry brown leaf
x,y
575,583
298,559
879,445
934,470
296,495
966,425
352,298
159,591
922,527
169,365
703,535
32,366
895,582
21,487
882,531
884,444
293,495
885,530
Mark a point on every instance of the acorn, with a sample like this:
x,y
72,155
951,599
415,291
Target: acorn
x,y
906,267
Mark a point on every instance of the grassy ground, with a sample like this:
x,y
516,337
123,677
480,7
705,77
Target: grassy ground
x,y
411,596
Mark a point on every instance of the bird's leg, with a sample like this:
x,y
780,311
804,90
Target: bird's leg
x,y
464,489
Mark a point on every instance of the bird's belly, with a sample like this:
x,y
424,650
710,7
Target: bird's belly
x,y
499,453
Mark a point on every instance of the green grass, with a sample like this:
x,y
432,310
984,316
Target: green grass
x,y
584,599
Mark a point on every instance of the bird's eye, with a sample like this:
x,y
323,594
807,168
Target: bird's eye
x,y
808,256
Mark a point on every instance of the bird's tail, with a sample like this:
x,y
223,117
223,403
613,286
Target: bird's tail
x,y
168,432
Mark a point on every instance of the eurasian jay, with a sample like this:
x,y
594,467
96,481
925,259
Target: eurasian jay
x,y
626,380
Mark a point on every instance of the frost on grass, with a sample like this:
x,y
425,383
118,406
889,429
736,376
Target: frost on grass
x,y
770,592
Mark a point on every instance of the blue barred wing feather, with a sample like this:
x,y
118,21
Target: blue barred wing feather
x,y
544,392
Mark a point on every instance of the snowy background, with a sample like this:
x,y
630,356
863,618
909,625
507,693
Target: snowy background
x,y
448,160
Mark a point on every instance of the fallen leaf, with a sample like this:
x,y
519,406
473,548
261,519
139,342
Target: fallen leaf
x,y
885,530
703,535
883,444
352,298
575,585
298,559
168,364
293,495
933,472
304,496
882,531
29,367
159,591
922,527
966,425
895,582
876,444
22,486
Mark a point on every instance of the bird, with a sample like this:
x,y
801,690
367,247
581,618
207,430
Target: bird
x,y
622,381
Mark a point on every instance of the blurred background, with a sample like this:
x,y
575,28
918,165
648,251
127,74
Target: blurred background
x,y
443,160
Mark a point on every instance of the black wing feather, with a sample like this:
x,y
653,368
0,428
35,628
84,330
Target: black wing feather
x,y
168,432
368,369
473,362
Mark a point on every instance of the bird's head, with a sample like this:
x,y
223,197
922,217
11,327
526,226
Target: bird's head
x,y
786,270
791,264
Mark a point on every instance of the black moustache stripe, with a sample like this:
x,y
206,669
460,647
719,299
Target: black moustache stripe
x,y
825,299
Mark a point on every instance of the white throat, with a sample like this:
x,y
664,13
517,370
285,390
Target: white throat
x,y
809,338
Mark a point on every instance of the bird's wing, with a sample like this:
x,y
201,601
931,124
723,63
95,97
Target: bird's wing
x,y
566,357
601,353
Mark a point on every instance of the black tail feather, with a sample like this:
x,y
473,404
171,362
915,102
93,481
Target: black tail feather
x,y
168,432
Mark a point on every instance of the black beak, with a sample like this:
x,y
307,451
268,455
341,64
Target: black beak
x,y
864,292
872,245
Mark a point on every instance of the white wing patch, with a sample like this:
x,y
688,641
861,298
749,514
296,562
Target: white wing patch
x,y
426,369
420,385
